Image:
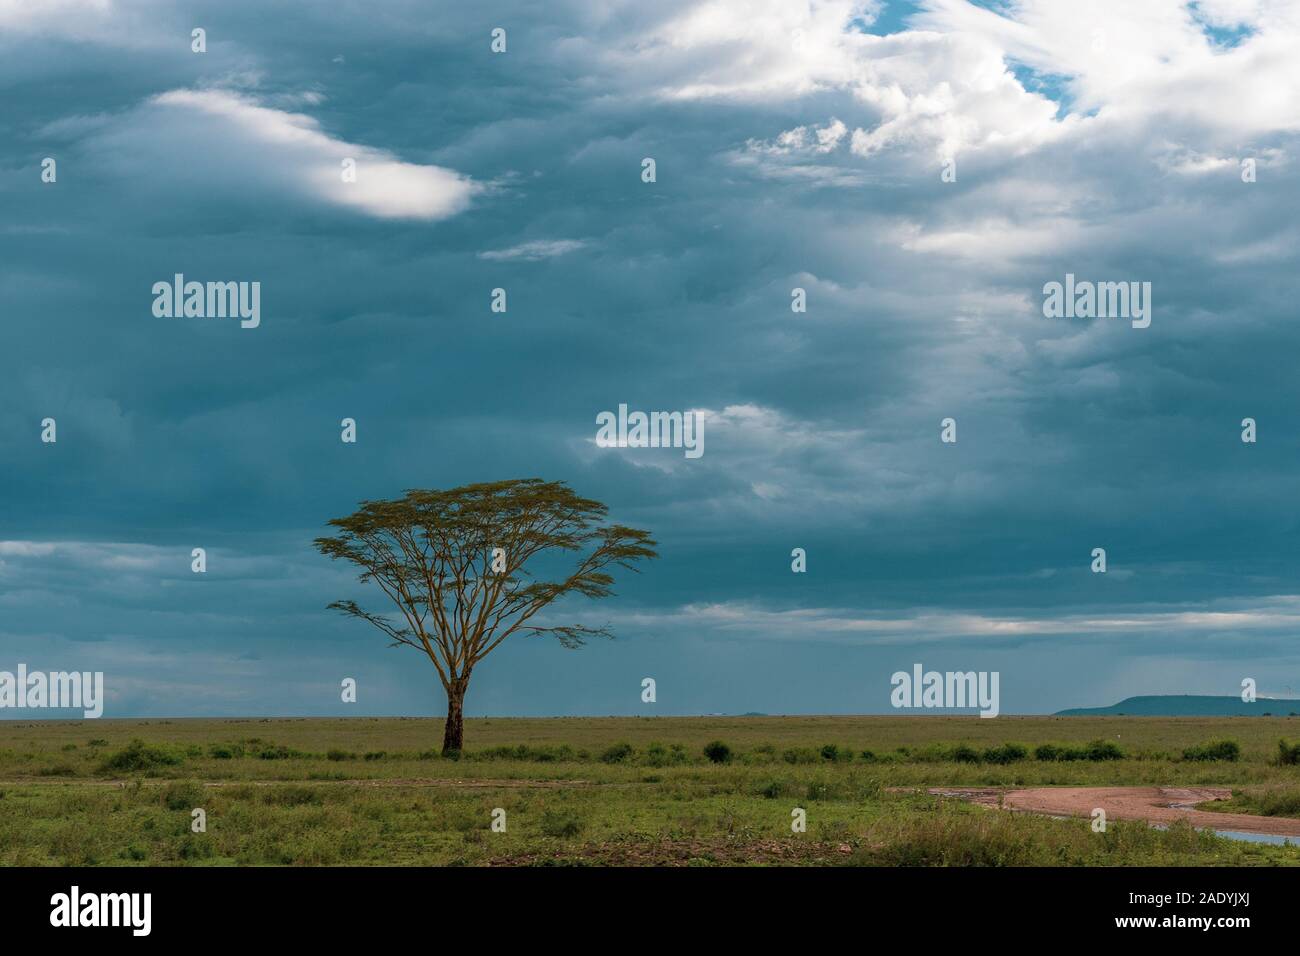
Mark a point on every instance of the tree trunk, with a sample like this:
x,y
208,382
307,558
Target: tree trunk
x,y
453,736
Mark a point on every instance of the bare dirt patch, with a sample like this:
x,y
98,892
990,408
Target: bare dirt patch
x,y
1158,805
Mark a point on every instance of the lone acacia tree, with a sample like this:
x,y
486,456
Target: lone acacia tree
x,y
453,562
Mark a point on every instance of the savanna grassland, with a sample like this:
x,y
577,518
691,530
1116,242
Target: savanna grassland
x,y
375,791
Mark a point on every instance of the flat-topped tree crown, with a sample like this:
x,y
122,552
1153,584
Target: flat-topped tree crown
x,y
456,564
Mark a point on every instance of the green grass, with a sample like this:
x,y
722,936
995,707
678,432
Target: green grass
x,y
1277,801
617,790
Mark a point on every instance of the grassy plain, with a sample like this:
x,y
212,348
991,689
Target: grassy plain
x,y
374,791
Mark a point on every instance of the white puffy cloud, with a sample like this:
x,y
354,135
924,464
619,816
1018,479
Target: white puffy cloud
x,y
220,140
813,139
949,83
1152,59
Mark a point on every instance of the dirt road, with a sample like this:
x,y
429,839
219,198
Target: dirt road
x,y
1152,804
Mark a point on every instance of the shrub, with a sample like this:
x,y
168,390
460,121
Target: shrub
x,y
525,752
1094,750
1213,750
376,755
617,753
195,848
184,795
964,754
659,756
137,756
335,754
830,752
1007,753
560,824
1103,750
717,751
1288,754
1273,802
278,752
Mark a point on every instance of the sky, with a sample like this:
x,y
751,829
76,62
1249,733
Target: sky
x,y
921,171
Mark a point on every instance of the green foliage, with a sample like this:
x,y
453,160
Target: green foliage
x,y
58,770
1214,750
1096,750
1007,753
717,751
182,795
618,753
411,808
799,755
656,755
277,752
1288,755
526,752
291,795
957,835
138,756
561,824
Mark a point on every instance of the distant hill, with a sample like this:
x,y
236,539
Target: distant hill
x,y
1187,705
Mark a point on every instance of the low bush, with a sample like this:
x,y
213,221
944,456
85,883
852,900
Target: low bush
x,y
556,824
618,753
139,756
717,751
1214,750
1288,754
1094,750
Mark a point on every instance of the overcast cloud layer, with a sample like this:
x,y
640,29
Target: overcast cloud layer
x,y
796,146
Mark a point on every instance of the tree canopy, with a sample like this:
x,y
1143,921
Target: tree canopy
x,y
459,567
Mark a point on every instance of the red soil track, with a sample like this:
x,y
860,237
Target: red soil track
x,y
1161,805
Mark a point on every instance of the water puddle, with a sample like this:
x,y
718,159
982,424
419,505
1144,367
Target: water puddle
x,y
1273,838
